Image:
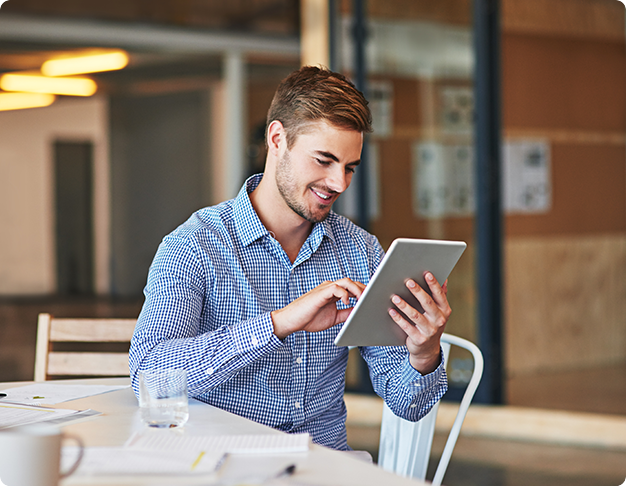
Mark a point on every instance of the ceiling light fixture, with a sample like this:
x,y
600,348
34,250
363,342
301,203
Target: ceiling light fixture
x,y
42,84
21,101
91,63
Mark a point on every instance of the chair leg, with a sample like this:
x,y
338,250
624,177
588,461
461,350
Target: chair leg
x,y
43,347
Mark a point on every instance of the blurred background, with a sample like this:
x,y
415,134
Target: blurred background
x,y
119,119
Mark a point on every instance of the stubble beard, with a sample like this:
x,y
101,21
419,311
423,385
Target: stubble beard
x,y
288,189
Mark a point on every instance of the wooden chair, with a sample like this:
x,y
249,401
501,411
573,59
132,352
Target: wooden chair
x,y
50,330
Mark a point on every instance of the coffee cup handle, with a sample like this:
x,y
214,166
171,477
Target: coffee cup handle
x,y
81,451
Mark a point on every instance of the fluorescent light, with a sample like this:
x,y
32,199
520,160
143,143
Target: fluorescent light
x,y
43,84
21,101
91,63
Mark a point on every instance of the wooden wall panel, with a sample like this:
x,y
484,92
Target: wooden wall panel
x,y
397,217
395,175
564,81
462,296
565,302
565,18
407,106
588,194
575,84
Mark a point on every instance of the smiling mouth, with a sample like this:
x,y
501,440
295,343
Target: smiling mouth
x,y
325,197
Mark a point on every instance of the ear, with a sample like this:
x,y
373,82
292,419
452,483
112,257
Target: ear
x,y
276,137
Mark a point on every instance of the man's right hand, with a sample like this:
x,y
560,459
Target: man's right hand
x,y
317,310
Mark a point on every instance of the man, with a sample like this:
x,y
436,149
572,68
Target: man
x,y
248,295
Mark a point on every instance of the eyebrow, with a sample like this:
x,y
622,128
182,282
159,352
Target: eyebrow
x,y
331,156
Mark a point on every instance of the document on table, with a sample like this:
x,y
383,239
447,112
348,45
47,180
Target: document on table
x,y
14,414
123,461
51,393
232,444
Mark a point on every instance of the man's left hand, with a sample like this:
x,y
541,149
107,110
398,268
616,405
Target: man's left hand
x,y
424,329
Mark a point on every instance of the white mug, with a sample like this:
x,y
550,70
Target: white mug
x,y
30,455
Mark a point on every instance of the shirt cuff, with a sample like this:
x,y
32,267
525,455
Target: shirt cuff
x,y
255,333
416,382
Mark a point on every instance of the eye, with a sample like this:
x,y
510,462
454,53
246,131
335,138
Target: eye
x,y
351,169
323,162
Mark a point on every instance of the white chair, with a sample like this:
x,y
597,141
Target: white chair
x,y
50,330
405,446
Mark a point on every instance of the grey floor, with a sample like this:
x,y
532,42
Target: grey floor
x,y
492,462
474,462
503,463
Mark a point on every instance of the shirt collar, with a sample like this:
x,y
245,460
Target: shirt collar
x,y
319,231
249,226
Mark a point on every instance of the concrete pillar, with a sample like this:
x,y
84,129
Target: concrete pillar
x,y
235,118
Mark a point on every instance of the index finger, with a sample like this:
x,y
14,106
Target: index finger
x,y
355,288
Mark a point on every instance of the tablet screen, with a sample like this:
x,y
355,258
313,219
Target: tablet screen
x,y
369,323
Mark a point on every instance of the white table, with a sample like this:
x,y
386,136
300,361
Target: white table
x,y
320,466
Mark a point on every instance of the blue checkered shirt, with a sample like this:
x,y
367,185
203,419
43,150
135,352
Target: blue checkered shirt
x,y
210,291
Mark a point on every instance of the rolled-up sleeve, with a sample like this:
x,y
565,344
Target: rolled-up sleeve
x,y
407,392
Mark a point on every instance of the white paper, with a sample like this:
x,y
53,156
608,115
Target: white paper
x,y
12,415
121,461
527,185
233,444
443,180
51,393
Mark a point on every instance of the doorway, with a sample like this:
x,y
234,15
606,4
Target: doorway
x,y
74,217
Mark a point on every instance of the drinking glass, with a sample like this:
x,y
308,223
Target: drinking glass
x,y
163,398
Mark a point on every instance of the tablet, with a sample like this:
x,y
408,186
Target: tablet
x,y
369,323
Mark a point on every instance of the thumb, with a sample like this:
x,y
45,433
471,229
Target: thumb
x,y
342,315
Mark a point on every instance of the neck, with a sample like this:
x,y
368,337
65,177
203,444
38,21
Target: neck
x,y
288,228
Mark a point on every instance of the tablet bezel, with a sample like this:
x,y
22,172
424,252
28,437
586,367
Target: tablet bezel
x,y
369,323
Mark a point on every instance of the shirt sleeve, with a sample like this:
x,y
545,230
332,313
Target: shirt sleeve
x,y
168,328
407,392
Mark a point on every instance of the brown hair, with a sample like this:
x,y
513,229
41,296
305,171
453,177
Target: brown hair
x,y
314,93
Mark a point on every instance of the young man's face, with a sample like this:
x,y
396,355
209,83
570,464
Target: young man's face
x,y
318,168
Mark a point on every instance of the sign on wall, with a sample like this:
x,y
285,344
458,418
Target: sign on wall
x,y
443,178
380,95
457,109
527,185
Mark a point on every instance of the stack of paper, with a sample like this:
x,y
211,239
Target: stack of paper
x,y
14,414
161,454
21,405
123,461
232,444
50,393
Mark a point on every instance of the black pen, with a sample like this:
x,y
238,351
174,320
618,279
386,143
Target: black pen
x,y
2,395
288,471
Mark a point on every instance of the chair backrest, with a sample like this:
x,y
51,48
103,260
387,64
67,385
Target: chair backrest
x,y
49,362
405,446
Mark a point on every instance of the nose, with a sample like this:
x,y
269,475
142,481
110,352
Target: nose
x,y
339,180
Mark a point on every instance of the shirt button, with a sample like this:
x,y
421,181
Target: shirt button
x,y
299,360
413,405
417,384
297,404
255,341
210,371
